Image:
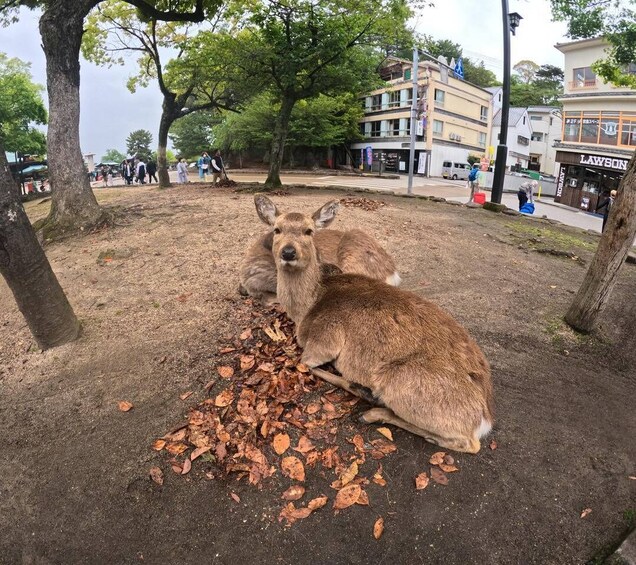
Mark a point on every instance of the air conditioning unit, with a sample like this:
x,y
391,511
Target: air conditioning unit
x,y
454,137
451,136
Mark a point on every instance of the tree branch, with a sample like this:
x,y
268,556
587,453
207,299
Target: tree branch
x,y
169,16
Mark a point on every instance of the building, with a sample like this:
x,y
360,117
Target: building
x,y
454,119
599,128
546,124
519,134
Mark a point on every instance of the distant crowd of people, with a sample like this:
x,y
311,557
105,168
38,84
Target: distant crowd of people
x,y
136,171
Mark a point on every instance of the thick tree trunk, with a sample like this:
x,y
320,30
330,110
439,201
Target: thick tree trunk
x,y
278,143
162,162
73,201
28,273
610,256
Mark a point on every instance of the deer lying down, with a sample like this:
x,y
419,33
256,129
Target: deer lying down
x,y
353,251
391,347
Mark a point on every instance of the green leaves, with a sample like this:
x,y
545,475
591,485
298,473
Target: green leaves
x,y
21,107
138,142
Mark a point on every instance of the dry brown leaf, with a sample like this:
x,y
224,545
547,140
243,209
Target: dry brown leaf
x,y
378,528
317,503
437,458
363,499
448,468
386,432
358,441
159,444
235,497
187,465
176,448
185,395
225,371
222,434
275,334
294,492
302,368
156,474
293,468
448,459
224,399
493,445
125,406
177,468
421,481
347,496
280,443
246,334
291,513
226,350
247,362
313,408
438,476
349,474
304,445
378,479
199,451
585,512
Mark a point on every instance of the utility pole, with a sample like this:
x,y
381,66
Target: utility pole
x,y
413,120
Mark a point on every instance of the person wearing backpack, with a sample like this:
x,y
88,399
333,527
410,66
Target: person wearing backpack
x,y
473,181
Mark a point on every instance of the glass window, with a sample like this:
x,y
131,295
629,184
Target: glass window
x,y
394,98
394,127
572,127
482,139
589,129
407,74
375,129
609,129
536,118
628,133
484,113
537,136
439,97
521,140
376,102
583,76
438,127
524,120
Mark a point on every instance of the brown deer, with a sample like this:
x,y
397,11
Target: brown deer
x,y
391,347
353,251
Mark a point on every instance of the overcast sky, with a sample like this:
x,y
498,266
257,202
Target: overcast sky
x,y
109,112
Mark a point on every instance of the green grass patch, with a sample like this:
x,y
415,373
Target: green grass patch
x,y
550,237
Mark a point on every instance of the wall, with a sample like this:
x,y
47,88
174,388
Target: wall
x,y
441,153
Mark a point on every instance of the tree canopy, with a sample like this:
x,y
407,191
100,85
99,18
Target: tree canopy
x,y
192,134
21,107
535,85
138,143
113,156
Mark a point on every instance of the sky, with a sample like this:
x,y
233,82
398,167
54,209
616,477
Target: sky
x,y
109,112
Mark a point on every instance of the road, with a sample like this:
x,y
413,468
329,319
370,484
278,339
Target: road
x,y
449,189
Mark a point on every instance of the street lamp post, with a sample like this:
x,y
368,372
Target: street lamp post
x,y
409,189
510,23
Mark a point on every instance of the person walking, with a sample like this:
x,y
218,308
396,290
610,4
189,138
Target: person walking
x,y
126,171
204,164
182,172
473,181
141,171
105,175
609,202
218,170
151,169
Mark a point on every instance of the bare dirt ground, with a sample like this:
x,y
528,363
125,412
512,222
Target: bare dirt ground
x,y
157,298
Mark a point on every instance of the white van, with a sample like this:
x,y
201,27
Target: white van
x,y
455,171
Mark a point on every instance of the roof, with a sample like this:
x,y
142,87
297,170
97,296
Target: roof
x,y
514,115
574,45
493,89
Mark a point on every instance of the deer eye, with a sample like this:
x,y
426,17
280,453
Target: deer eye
x,y
276,231
309,232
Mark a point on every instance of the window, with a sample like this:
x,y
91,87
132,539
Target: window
x,y
394,99
500,97
438,128
572,127
589,128
628,133
537,136
523,140
439,97
407,74
363,130
394,127
409,96
376,102
551,121
484,113
583,77
608,134
536,118
375,129
524,120
482,139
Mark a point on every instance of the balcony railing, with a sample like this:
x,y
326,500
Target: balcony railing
x,y
582,84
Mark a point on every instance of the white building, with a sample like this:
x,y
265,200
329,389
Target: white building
x,y
519,134
546,123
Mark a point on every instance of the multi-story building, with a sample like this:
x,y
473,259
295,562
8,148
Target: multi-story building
x,y
518,140
454,119
546,123
599,128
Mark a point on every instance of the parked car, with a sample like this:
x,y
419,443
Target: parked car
x,y
455,171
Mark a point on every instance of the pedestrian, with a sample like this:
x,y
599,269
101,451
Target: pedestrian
x,y
473,181
141,171
522,195
609,202
151,169
105,173
182,171
126,171
204,164
218,170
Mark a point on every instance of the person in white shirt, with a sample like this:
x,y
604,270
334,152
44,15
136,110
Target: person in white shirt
x,y
141,171
182,171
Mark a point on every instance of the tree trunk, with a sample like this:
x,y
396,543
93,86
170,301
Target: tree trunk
x,y
26,269
73,203
278,143
612,250
162,162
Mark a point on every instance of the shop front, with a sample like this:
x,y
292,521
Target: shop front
x,y
585,179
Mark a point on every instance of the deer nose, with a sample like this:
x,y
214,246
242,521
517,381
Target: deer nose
x,y
288,253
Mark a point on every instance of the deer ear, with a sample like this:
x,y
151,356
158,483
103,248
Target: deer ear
x,y
265,209
326,214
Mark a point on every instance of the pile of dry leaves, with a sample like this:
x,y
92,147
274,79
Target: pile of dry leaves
x,y
365,203
266,414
